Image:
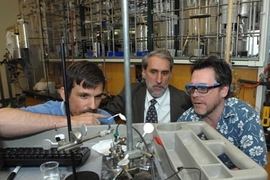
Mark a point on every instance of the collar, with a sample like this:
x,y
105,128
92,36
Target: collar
x,y
228,111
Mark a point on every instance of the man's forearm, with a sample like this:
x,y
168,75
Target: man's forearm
x,y
28,123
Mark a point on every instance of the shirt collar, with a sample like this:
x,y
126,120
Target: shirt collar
x,y
63,108
228,111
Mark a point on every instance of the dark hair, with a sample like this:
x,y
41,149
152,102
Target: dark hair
x,y
84,71
223,72
159,53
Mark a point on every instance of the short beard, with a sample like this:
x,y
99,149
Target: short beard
x,y
206,113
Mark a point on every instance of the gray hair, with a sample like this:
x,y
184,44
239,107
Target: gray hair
x,y
159,53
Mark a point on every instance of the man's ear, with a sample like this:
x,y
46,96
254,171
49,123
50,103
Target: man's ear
x,y
143,73
62,93
225,91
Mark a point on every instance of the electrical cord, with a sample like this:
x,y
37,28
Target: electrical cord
x,y
158,140
144,142
175,173
179,169
200,172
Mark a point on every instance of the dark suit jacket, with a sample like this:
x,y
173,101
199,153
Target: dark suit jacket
x,y
179,102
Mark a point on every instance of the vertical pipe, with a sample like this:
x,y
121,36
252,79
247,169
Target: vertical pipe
x,y
182,27
254,5
125,22
90,33
206,29
83,34
218,27
237,29
67,107
177,26
41,31
229,32
199,25
249,39
150,43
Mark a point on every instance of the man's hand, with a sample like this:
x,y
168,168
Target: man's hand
x,y
87,119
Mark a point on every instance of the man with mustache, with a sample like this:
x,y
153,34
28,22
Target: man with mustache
x,y
85,83
156,73
234,119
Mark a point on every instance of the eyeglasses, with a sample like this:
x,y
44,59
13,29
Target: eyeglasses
x,y
201,88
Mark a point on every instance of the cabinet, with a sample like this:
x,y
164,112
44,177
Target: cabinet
x,y
115,76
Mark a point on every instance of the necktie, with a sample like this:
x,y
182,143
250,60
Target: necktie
x,y
151,115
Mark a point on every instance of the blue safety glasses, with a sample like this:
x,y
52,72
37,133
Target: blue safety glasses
x,y
201,88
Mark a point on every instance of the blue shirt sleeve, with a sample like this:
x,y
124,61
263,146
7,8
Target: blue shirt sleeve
x,y
107,120
58,108
49,107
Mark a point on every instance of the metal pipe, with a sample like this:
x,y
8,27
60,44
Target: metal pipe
x,y
218,27
249,39
229,32
82,24
150,43
182,28
254,5
177,26
125,22
237,29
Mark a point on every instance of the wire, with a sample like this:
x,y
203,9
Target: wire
x,y
144,142
200,172
175,173
248,85
158,140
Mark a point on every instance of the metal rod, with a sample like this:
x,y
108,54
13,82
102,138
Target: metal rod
x,y
125,22
67,103
229,32
83,33
150,43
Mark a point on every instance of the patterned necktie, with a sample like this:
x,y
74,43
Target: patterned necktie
x,y
151,115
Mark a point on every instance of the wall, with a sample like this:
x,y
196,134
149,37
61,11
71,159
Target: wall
x,y
8,13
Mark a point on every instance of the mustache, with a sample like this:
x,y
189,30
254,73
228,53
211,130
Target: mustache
x,y
159,85
90,111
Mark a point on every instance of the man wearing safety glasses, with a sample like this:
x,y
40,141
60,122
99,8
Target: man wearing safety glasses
x,y
234,119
